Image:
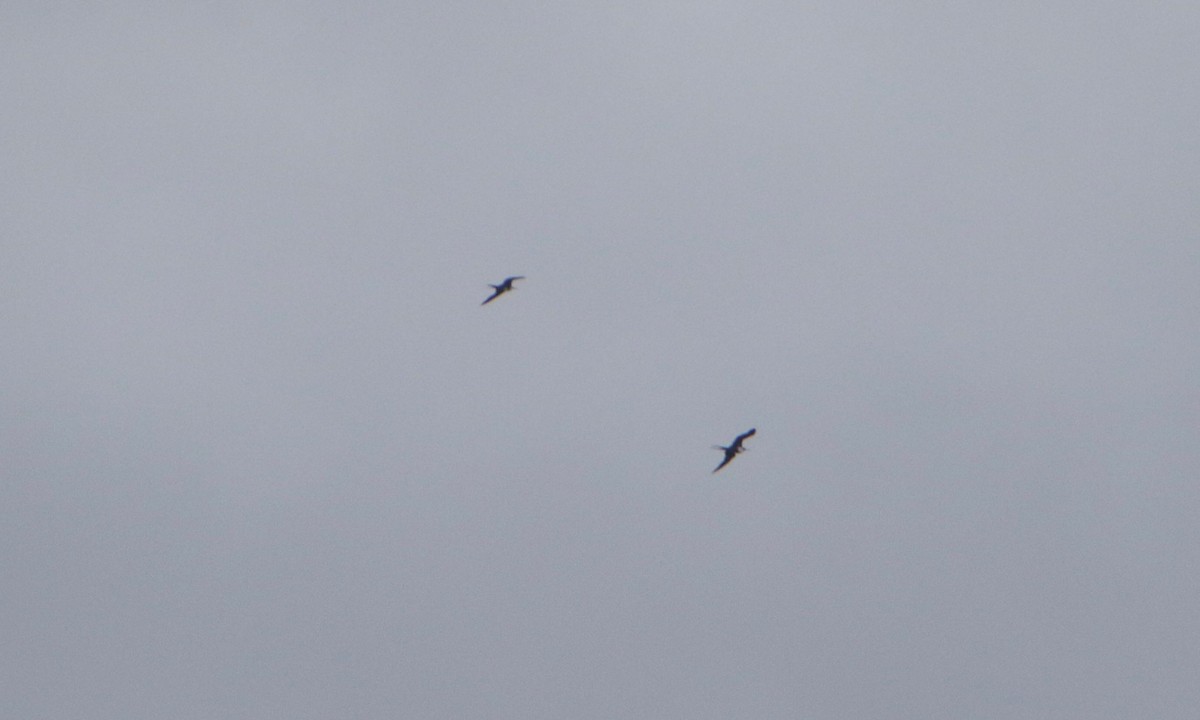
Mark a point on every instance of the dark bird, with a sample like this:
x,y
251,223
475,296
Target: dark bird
x,y
502,288
734,448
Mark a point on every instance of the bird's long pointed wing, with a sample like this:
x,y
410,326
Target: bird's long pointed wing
x,y
744,435
728,458
495,295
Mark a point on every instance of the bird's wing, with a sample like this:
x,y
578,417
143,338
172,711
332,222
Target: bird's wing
x,y
745,435
514,277
728,458
493,297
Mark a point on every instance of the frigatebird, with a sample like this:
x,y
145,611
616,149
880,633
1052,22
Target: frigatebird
x,y
502,288
734,448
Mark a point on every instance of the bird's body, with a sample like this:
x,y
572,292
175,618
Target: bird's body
x,y
734,448
502,288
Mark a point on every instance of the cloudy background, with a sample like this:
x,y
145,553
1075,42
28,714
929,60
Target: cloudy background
x,y
264,456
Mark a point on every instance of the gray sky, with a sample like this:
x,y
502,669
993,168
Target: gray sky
x,y
264,456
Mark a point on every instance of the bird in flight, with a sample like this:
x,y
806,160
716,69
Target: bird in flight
x,y
734,448
502,288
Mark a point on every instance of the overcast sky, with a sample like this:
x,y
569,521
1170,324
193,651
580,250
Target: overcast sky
x,y
263,454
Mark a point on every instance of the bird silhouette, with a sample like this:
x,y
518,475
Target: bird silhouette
x,y
734,448
502,288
